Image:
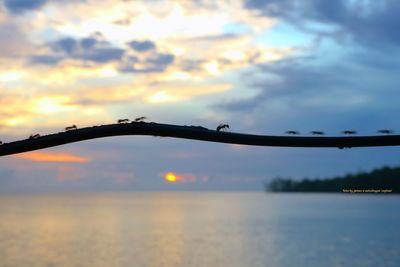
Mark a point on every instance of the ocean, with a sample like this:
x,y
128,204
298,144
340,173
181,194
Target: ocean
x,y
199,229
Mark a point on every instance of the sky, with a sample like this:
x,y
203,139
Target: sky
x,y
263,67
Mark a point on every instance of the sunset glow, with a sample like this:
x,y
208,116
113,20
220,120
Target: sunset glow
x,y
52,157
180,177
171,177
261,66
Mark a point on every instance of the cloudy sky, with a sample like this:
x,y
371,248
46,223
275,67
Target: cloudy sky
x,y
263,67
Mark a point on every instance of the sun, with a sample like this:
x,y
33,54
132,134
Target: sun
x,y
170,177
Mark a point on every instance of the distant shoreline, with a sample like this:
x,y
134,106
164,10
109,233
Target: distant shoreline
x,y
384,180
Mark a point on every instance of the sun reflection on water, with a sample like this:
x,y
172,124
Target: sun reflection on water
x,y
196,229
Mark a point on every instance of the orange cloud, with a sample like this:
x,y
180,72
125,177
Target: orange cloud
x,y
52,157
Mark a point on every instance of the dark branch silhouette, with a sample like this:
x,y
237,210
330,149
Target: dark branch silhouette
x,y
195,133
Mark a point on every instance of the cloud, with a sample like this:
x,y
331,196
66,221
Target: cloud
x,y
94,49
142,46
21,112
370,23
68,45
52,110
52,157
20,6
14,41
310,93
88,42
161,59
173,92
91,48
332,11
103,55
154,63
45,59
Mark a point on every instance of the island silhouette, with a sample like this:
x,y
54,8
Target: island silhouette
x,y
381,180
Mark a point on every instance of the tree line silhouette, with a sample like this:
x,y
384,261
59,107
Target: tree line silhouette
x,y
385,178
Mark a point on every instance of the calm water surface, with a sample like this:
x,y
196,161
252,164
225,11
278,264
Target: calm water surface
x,y
199,229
